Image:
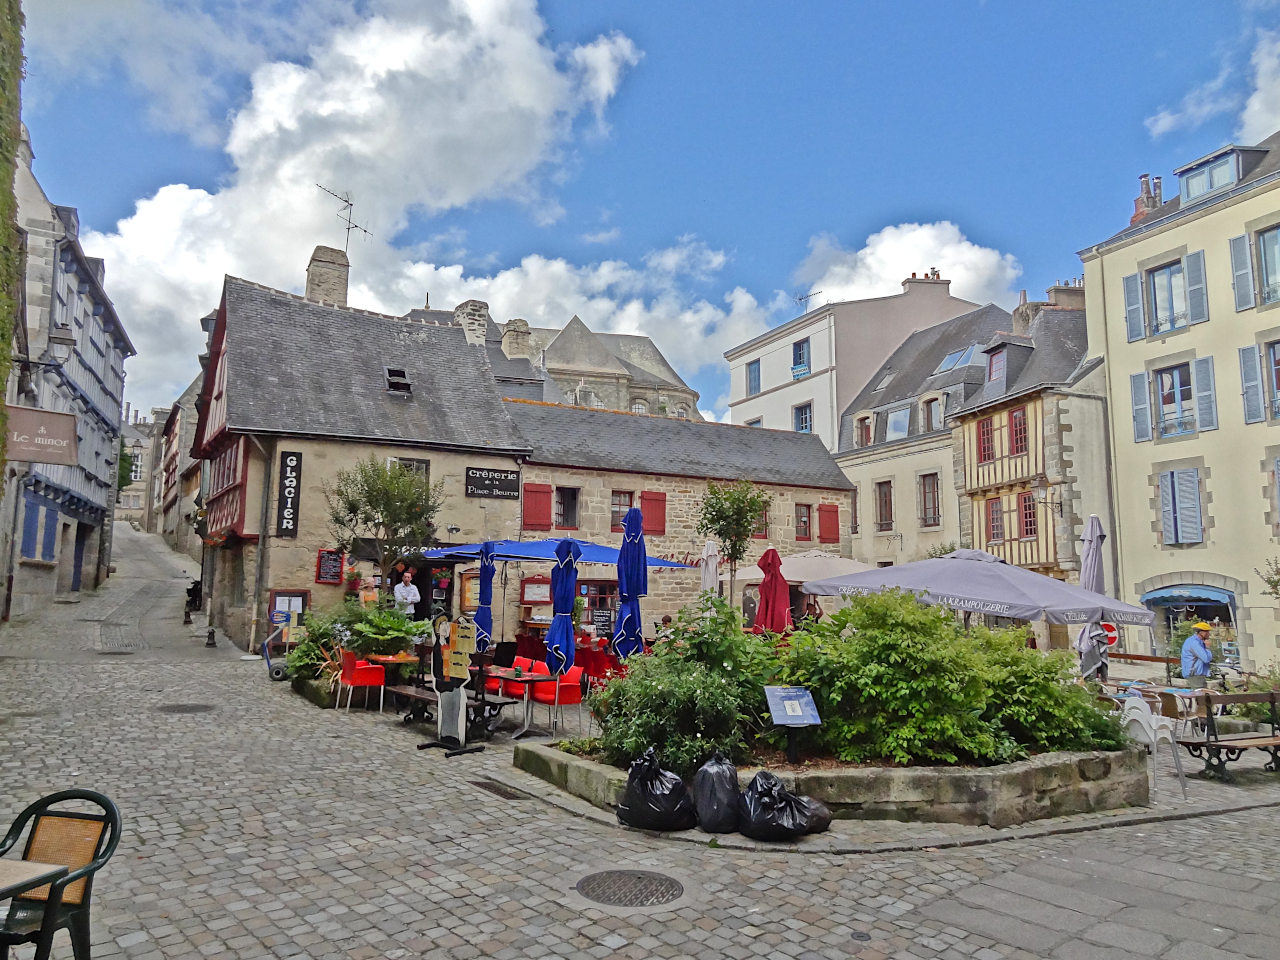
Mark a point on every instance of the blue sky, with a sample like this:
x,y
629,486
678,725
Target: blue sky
x,y
676,169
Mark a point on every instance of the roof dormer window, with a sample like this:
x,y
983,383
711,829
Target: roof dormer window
x,y
398,381
995,365
1208,178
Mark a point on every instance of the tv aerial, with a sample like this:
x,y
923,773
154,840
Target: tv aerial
x,y
346,214
804,299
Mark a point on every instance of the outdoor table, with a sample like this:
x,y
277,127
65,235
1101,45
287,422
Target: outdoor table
x,y
392,659
527,679
19,876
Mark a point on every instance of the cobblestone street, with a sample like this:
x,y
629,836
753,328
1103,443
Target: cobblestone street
x,y
265,827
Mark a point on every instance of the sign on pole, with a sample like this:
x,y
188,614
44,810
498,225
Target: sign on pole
x,y
289,494
42,436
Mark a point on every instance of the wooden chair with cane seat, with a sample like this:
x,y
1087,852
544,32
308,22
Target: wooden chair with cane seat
x,y
83,842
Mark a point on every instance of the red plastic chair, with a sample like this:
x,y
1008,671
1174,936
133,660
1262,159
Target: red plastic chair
x,y
361,673
566,691
516,690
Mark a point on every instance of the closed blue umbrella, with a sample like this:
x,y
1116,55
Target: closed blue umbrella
x,y
633,583
484,611
564,586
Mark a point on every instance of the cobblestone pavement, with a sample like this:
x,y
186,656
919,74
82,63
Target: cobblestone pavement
x,y
265,827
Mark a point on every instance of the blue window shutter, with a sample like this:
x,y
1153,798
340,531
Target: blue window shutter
x,y
50,533
1241,272
1133,322
30,526
1202,388
1276,486
1141,393
1255,408
1168,517
1186,494
1197,292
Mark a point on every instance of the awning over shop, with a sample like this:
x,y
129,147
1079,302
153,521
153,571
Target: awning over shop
x,y
1187,593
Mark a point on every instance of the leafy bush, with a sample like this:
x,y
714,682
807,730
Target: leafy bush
x,y
383,631
1261,682
673,704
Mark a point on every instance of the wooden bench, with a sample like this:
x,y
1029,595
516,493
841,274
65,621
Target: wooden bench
x,y
1218,751
483,713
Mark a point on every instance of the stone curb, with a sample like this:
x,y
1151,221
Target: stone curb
x,y
534,788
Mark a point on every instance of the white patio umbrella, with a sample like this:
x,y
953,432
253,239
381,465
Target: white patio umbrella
x,y
710,566
1092,642
809,565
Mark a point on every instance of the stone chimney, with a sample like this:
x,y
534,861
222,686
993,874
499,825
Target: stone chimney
x,y
473,317
931,284
515,339
327,276
1146,201
1157,191
1068,295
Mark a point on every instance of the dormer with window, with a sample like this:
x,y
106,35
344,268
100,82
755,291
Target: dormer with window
x,y
398,381
932,410
1208,174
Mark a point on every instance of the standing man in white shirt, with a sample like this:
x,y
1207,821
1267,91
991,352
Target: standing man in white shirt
x,y
407,596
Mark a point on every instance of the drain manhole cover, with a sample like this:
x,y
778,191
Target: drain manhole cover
x,y
630,888
185,708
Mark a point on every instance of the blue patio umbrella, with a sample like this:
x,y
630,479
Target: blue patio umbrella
x,y
484,611
633,583
564,585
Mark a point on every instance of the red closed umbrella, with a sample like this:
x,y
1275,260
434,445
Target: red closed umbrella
x,y
774,612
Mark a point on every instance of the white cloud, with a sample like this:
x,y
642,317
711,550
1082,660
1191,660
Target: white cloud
x,y
977,273
1203,103
1261,115
603,236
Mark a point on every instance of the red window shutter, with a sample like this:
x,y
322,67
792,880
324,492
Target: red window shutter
x,y
654,507
537,506
828,523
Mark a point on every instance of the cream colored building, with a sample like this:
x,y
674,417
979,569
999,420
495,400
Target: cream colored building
x,y
1184,305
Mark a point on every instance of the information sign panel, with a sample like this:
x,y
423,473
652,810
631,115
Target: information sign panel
x,y
792,707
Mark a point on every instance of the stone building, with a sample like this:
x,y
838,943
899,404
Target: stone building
x,y
180,475
131,500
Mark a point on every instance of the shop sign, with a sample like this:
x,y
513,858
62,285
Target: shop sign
x,y
42,436
502,484
289,493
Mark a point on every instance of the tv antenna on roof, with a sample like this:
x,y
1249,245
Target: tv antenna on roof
x,y
345,214
804,300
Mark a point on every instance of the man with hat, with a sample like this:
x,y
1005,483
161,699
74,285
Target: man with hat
x,y
1196,656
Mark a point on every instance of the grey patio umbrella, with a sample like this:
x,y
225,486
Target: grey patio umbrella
x,y
1092,643
710,566
976,581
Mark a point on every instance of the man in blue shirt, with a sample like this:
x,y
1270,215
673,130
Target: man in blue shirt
x,y
1196,656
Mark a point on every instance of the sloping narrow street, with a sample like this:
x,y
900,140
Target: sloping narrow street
x,y
257,825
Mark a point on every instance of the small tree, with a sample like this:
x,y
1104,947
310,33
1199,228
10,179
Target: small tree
x,y
731,513
941,550
385,504
124,468
1270,575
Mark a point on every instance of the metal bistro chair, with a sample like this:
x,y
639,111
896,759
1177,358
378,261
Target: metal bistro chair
x,y
84,842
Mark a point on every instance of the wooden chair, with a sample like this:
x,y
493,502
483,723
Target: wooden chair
x,y
83,842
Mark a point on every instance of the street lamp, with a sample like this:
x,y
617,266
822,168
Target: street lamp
x,y
61,342
1043,493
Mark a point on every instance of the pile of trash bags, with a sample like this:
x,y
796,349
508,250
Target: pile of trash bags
x,y
656,799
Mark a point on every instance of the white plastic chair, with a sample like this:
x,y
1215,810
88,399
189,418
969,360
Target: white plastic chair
x,y
1150,730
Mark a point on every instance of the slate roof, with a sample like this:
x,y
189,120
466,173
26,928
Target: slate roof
x,y
910,368
1261,160
1059,341
635,443
297,367
637,355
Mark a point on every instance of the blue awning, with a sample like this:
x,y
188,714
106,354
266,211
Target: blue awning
x,y
1187,593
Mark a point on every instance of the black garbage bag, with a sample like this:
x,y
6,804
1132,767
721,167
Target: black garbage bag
x,y
818,812
715,795
655,799
768,811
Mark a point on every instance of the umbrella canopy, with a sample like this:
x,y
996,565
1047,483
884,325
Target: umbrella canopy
x,y
1091,642
810,565
633,583
774,612
564,586
979,582
710,566
484,609
512,550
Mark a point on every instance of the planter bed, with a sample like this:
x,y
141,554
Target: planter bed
x,y
1049,785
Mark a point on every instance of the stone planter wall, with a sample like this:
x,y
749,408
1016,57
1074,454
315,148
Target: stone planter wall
x,y
1050,785
317,691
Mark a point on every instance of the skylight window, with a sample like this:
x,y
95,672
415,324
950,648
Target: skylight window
x,y
398,381
884,381
957,358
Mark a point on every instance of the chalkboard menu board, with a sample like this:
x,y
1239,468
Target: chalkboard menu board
x,y
329,566
602,620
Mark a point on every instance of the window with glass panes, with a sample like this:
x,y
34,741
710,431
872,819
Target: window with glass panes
x,y
1027,525
619,504
995,365
803,516
1175,413
986,440
931,419
762,525
930,500
1168,286
804,418
639,406
753,378
1017,431
853,511
1269,259
1273,376
995,520
800,358
566,507
599,594
864,431
884,505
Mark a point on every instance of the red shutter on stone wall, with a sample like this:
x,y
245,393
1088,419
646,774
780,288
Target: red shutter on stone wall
x,y
654,507
828,523
537,506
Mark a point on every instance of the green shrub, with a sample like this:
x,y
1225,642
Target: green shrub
x,y
1261,682
673,704
383,631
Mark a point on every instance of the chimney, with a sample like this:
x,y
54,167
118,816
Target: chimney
x,y
1066,295
1145,202
932,281
426,301
515,339
1157,191
327,276
126,411
473,317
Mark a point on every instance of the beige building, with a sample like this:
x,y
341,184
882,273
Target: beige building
x,y
131,499
1184,305
180,475
801,375
896,445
